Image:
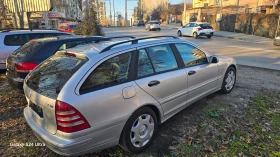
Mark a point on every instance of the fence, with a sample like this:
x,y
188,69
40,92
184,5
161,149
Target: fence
x,y
264,25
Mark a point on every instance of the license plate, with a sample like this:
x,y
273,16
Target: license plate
x,y
36,109
207,32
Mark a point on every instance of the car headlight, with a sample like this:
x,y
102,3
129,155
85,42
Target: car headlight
x,y
277,37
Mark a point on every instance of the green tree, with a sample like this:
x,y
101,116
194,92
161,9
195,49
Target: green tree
x,y
90,24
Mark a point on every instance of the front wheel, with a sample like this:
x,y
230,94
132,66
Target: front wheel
x,y
139,130
159,29
179,33
229,80
209,36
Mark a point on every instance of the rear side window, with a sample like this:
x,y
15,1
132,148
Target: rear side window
x,y
111,72
16,39
49,77
144,64
27,49
191,55
162,58
205,26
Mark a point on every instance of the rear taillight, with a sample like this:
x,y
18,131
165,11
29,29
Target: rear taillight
x,y
200,29
69,119
25,66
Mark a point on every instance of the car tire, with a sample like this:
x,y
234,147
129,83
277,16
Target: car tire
x,y
159,29
195,35
146,130
179,33
150,29
229,80
209,36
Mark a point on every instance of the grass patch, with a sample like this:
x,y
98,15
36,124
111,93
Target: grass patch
x,y
252,132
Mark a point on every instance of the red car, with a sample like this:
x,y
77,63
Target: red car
x,y
67,27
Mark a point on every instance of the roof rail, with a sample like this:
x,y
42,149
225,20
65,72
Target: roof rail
x,y
134,41
132,37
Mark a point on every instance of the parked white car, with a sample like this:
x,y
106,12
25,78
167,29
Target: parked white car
x,y
12,40
152,25
196,29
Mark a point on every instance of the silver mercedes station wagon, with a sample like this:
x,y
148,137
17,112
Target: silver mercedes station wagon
x,y
99,95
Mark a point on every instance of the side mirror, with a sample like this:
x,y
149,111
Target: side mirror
x,y
213,59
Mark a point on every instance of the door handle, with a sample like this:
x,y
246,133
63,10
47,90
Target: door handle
x,y
153,83
191,72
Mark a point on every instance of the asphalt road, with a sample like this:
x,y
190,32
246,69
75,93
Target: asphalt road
x,y
258,54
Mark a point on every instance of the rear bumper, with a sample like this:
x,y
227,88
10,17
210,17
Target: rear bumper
x,y
15,82
72,147
205,34
276,42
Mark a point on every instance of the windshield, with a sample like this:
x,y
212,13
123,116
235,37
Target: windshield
x,y
50,76
27,49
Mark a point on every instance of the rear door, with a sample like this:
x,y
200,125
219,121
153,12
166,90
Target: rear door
x,y
202,75
160,76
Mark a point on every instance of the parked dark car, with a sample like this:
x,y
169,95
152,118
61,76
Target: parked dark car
x,y
27,57
139,23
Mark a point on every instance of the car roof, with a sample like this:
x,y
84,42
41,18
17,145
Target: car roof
x,y
94,49
8,32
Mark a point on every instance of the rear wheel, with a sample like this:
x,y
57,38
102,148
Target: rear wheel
x,y
229,80
150,29
179,33
139,130
195,35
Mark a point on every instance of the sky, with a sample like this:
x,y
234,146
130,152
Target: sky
x,y
120,6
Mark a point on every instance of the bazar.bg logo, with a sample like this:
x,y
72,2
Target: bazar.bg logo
x,y
28,144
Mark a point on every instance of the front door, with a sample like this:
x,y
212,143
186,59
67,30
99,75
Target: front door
x,y
202,76
159,75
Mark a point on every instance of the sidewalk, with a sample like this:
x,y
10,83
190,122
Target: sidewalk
x,y
241,36
230,35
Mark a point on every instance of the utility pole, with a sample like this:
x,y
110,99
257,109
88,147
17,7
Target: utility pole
x,y
114,12
110,13
125,15
184,12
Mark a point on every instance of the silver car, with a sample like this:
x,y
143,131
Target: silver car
x,y
152,25
97,96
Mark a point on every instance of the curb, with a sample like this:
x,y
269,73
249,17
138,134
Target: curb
x,y
229,37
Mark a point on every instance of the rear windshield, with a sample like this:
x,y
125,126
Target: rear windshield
x,y
27,49
49,77
154,22
205,26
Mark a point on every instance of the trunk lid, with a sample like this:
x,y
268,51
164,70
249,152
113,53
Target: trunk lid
x,y
42,110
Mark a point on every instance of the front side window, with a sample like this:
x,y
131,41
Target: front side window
x,y
111,72
162,58
144,64
191,55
